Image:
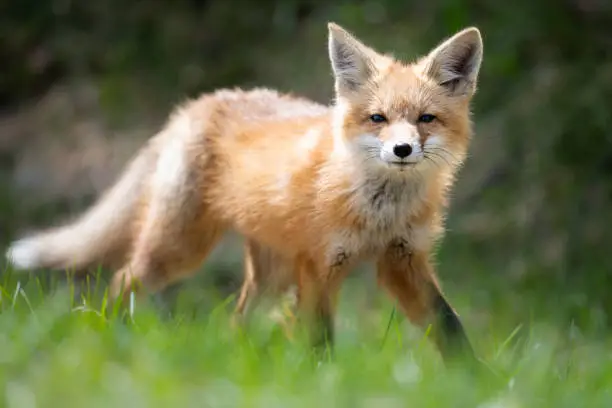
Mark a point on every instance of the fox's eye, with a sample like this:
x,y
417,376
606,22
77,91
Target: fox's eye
x,y
426,118
378,118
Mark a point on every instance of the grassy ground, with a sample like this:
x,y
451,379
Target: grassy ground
x,y
57,351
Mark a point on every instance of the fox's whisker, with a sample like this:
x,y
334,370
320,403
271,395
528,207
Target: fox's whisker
x,y
443,150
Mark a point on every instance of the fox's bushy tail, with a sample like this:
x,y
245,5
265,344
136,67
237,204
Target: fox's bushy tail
x,y
101,235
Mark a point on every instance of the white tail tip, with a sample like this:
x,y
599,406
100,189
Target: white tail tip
x,y
23,254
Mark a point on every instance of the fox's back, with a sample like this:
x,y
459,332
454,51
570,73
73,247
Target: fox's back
x,y
243,124
262,147
262,104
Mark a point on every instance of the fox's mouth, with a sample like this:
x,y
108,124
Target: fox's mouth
x,y
402,164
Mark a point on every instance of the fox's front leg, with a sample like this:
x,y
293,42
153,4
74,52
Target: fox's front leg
x,y
410,278
318,289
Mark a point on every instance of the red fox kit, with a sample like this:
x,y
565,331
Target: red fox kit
x,y
322,187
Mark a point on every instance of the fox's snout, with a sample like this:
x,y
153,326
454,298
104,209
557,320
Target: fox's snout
x,y
401,152
401,145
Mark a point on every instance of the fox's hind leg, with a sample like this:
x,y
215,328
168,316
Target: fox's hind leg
x,y
177,229
266,275
254,272
175,238
173,242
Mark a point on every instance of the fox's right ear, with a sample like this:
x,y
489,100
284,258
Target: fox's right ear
x,y
352,62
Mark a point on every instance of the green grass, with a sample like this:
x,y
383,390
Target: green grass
x,y
57,351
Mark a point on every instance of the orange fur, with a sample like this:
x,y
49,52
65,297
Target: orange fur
x,y
313,188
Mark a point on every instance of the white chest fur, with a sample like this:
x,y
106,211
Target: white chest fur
x,y
386,207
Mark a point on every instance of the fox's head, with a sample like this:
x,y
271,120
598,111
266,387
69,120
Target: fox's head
x,y
398,115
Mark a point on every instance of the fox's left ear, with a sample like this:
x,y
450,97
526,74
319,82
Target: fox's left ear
x,y
455,63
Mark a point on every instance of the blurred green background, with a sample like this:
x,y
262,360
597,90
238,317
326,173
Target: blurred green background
x,y
83,84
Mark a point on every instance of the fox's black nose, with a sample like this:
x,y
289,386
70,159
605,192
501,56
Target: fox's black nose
x,y
402,150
